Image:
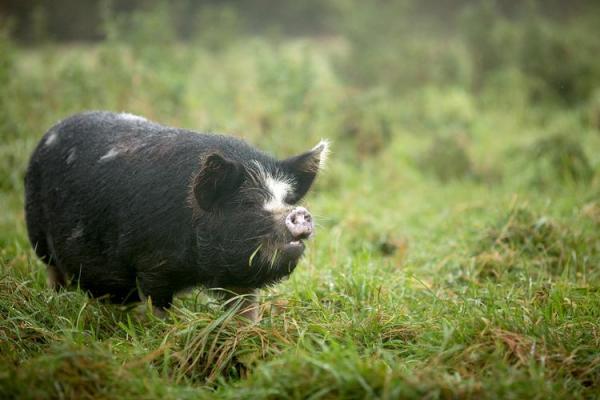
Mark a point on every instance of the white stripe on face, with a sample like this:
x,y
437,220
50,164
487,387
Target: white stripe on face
x,y
278,190
278,187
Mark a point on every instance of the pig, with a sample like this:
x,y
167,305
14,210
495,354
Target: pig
x,y
128,209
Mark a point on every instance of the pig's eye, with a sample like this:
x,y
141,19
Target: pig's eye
x,y
292,198
252,197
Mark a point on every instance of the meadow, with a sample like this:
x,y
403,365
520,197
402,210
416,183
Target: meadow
x,y
457,252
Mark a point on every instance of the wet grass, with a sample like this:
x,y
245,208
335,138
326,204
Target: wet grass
x,y
425,279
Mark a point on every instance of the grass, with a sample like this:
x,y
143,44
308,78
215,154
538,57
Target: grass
x,y
428,278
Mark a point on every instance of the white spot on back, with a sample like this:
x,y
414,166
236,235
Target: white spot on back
x,y
71,155
132,117
112,153
50,139
76,233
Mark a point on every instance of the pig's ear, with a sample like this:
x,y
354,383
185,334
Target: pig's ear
x,y
218,178
304,168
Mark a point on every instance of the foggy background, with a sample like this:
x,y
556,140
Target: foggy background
x,y
73,20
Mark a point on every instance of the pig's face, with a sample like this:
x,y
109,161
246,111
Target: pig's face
x,y
250,221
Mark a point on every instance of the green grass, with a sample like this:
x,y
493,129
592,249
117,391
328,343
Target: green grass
x,y
457,252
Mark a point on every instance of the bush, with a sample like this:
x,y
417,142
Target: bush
x,y
148,32
447,159
8,125
388,48
564,59
439,110
365,124
593,110
217,27
558,158
286,79
490,39
397,46
558,57
521,237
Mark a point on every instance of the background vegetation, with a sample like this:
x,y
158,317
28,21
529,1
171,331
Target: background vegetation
x,y
458,251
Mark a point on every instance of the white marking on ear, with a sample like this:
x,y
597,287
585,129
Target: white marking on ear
x,y
279,189
112,153
50,139
323,149
132,117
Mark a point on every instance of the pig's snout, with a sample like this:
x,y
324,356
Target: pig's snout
x,y
300,224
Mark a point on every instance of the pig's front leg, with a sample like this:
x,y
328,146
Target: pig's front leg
x,y
160,294
247,300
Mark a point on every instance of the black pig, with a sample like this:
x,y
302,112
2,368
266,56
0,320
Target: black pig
x,y
128,208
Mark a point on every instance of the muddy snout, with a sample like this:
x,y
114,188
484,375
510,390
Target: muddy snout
x,y
299,223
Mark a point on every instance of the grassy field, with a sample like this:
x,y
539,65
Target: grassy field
x,y
457,252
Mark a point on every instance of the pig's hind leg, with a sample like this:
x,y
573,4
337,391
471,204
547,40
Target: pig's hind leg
x,y
41,239
56,279
103,278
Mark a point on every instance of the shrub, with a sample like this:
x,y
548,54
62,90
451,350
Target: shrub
x,y
490,39
365,124
447,159
285,78
593,110
217,27
440,110
7,69
388,48
562,58
523,241
559,158
558,57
